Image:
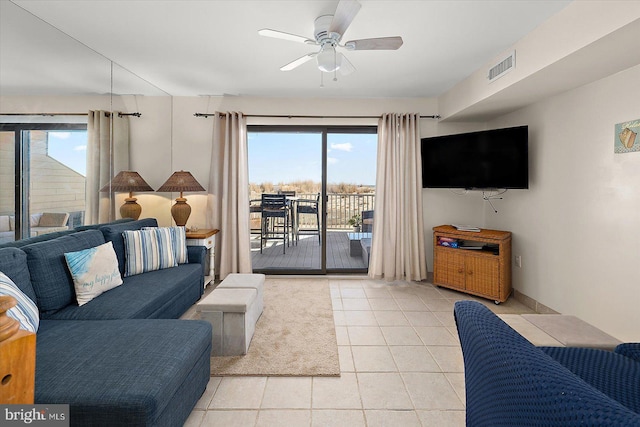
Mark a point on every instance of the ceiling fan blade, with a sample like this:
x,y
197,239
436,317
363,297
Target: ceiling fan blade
x,y
346,67
381,43
298,62
266,32
345,12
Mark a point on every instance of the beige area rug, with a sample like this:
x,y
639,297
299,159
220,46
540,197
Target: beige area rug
x,y
295,336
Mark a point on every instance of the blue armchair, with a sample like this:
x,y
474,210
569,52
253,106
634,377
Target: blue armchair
x,y
510,382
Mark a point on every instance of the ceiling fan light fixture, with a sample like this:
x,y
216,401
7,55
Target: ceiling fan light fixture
x,y
328,60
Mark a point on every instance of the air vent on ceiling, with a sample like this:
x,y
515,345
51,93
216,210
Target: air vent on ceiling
x,y
503,67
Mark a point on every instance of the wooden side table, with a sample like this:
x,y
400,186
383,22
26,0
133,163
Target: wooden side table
x,y
205,237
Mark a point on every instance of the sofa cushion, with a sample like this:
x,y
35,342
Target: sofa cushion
x,y
4,223
148,250
36,239
13,263
97,226
50,276
113,233
34,219
613,374
25,311
94,271
123,372
161,294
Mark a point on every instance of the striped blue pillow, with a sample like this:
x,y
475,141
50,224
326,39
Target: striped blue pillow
x,y
179,242
147,250
26,311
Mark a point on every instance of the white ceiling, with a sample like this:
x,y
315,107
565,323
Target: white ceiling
x,y
207,47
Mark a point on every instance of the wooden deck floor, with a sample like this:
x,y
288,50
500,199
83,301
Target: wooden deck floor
x,y
305,255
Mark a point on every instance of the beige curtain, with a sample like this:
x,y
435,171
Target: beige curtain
x,y
398,251
228,198
107,154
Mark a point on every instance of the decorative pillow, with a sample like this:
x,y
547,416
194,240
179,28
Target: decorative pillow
x,y
148,250
26,311
179,242
49,219
94,271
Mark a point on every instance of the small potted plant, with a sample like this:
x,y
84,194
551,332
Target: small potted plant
x,y
355,221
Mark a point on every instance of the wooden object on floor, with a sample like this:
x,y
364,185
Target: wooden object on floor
x,y
477,272
17,358
205,237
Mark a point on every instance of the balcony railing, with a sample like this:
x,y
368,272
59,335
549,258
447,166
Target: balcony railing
x,y
341,208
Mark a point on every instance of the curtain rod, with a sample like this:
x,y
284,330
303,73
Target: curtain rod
x,y
293,116
136,114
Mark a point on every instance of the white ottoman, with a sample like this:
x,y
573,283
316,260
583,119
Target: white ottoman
x,y
233,314
246,281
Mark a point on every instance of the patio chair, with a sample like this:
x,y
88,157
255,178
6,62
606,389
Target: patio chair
x,y
310,207
275,219
291,202
367,221
255,216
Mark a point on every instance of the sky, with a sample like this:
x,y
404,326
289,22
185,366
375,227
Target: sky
x,y
285,157
70,149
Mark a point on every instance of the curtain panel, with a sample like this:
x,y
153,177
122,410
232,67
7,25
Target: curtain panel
x,y
107,154
228,194
398,249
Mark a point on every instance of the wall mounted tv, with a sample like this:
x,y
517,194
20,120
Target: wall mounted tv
x,y
496,158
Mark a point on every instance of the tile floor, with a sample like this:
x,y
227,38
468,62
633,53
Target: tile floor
x,y
400,361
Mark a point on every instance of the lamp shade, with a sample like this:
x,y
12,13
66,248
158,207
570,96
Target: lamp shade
x,y
181,181
128,181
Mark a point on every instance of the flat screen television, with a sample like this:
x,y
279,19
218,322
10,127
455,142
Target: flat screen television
x,y
496,158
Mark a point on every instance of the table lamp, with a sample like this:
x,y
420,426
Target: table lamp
x,y
128,181
180,181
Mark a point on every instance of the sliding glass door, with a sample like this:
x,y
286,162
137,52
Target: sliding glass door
x,y
327,178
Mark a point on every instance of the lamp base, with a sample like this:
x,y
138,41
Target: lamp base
x,y
180,211
130,209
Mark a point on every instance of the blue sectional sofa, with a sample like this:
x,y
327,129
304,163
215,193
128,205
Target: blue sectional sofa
x,y
124,358
510,382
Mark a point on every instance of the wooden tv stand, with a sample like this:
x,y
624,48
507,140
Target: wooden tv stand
x,y
485,273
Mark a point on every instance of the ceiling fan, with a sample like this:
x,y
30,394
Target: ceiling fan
x,y
328,31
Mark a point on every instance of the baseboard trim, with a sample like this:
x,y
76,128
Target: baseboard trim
x,y
532,303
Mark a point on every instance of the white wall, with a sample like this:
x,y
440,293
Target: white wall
x,y
577,228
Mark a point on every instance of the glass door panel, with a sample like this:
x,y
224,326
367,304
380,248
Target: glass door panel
x,y
351,180
286,163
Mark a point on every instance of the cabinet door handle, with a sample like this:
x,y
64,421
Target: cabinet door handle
x,y
470,272
460,270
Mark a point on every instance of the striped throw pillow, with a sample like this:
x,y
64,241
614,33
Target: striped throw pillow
x,y
179,242
26,311
147,250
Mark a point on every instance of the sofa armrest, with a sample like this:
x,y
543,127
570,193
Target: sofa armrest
x,y
630,350
197,254
509,381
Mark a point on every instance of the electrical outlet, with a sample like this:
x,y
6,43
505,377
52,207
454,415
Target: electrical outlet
x,y
518,261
